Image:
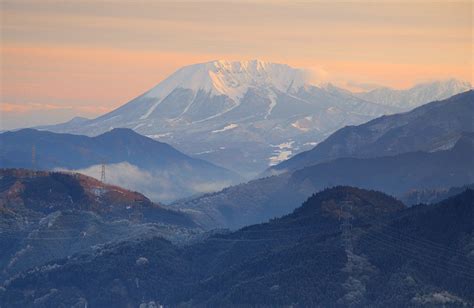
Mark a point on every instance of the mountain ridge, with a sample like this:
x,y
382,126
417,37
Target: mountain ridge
x,y
429,127
242,115
132,160
272,196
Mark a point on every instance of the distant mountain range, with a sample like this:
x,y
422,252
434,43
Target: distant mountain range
x,y
247,115
432,127
417,95
50,215
131,160
431,147
430,196
343,247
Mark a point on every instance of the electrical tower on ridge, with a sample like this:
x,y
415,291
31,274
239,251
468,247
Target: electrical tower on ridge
x,y
346,216
102,173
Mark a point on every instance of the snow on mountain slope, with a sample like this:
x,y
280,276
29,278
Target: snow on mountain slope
x,y
231,113
232,79
418,95
224,78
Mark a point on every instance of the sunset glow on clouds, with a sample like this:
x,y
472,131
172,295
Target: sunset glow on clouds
x,y
67,58
30,107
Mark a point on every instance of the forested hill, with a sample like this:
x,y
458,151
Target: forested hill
x,y
343,247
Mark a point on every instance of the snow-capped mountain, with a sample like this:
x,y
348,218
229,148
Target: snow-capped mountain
x,y
243,115
418,95
230,79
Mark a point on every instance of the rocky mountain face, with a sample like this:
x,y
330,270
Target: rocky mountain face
x,y
343,247
245,115
49,215
429,128
131,160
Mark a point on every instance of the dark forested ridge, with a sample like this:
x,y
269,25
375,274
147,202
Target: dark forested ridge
x,y
55,150
262,199
129,156
343,247
398,174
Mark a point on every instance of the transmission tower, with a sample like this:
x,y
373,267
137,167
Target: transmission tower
x,y
33,159
345,208
102,173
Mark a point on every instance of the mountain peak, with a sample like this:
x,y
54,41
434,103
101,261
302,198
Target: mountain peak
x,y
231,78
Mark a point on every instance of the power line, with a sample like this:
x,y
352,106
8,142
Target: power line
x,y
425,258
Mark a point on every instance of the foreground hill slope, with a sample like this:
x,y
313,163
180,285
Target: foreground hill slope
x,y
36,193
391,256
49,215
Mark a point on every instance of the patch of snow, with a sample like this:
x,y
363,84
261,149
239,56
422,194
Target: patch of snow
x,y
216,115
187,107
283,152
204,152
298,125
138,126
157,136
279,157
152,108
272,97
284,145
228,127
112,118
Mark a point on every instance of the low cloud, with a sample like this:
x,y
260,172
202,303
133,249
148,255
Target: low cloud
x,y
159,186
206,187
361,86
28,107
317,76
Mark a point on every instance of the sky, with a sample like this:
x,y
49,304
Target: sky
x,y
60,59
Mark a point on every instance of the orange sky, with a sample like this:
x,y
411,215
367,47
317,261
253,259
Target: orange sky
x,y
66,58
